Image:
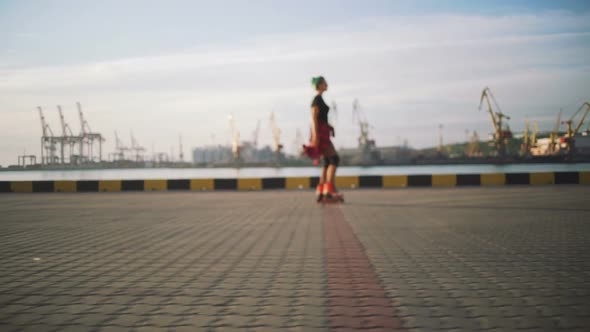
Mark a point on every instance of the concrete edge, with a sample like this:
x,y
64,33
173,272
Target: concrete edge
x,y
343,182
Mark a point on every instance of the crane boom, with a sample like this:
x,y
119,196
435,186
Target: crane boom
x,y
118,144
553,136
62,121
133,142
235,137
526,136
84,126
364,141
64,126
484,95
501,134
81,117
587,105
276,133
44,126
255,135
356,111
569,138
334,111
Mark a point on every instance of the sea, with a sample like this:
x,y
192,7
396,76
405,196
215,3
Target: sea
x,y
270,172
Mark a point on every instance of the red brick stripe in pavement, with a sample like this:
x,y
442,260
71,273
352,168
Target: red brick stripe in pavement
x,y
356,298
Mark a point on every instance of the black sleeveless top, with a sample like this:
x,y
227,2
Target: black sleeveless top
x,y
322,107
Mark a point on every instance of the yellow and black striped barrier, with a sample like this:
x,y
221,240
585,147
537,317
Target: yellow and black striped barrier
x,y
386,181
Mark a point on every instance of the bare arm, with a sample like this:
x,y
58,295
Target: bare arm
x,y
314,128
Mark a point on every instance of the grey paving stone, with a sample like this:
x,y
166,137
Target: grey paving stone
x,y
462,258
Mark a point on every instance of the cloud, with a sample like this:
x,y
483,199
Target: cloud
x,y
410,73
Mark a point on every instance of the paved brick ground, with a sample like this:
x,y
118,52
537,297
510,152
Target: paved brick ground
x,y
461,259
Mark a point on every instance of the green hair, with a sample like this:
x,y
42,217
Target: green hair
x,y
315,81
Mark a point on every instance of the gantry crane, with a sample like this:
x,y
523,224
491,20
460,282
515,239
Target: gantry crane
x,y
48,141
120,148
138,149
88,139
67,137
570,136
501,134
84,131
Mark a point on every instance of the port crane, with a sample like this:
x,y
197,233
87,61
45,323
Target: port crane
x,y
533,140
88,138
366,145
525,148
138,149
569,138
501,135
276,135
84,133
67,138
334,112
554,136
529,145
298,141
255,135
357,113
48,141
473,148
235,138
120,148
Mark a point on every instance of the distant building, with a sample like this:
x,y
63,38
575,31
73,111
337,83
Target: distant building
x,y
209,155
212,154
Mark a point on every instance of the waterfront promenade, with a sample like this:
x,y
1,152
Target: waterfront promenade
x,y
415,259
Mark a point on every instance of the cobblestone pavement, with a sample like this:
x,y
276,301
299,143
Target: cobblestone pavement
x,y
464,259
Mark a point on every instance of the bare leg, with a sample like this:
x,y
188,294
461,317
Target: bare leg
x,y
320,187
323,176
331,170
331,173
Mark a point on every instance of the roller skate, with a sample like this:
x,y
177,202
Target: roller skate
x,y
319,192
330,195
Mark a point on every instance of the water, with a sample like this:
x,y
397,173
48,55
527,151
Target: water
x,y
267,172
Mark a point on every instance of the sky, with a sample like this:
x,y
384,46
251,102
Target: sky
x,y
161,69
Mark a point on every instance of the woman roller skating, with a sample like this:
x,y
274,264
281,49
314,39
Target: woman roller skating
x,y
321,145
